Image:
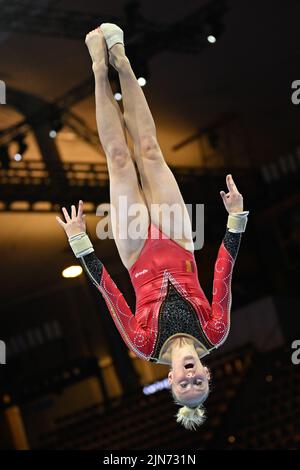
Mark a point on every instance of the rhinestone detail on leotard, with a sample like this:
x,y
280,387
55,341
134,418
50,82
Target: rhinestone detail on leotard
x,y
232,242
176,316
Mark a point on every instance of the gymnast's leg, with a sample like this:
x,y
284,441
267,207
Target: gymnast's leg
x,y
158,182
122,173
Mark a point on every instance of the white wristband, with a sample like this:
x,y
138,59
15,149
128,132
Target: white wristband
x,y
81,244
237,221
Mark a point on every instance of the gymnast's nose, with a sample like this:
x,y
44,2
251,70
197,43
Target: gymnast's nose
x,y
190,373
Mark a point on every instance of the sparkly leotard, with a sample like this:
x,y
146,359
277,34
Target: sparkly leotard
x,y
169,298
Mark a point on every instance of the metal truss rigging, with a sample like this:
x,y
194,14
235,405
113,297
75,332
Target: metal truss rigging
x,y
144,40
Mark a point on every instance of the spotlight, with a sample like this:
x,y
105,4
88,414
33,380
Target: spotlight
x,y
156,386
142,81
72,271
52,134
18,157
118,96
20,140
211,38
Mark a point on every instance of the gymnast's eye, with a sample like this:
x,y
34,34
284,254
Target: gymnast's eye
x,y
183,384
198,382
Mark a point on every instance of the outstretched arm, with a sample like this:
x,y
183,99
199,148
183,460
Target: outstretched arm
x,y
219,319
131,332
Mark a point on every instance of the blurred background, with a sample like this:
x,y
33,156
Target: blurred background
x,y
218,76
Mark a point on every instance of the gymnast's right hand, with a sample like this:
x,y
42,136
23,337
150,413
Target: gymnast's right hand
x,y
74,224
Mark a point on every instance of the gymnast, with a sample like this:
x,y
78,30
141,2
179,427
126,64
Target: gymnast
x,y
174,322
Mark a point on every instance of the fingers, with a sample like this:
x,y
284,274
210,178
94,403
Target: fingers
x,y
80,209
73,213
65,212
224,195
230,183
61,223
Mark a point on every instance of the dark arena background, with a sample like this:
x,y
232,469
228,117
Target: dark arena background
x,y
222,79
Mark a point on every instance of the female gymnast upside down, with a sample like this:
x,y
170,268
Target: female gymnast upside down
x,y
174,323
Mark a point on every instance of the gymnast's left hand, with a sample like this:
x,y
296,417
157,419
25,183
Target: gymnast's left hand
x,y
233,200
74,224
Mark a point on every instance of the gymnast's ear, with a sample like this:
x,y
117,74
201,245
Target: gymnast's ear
x,y
170,377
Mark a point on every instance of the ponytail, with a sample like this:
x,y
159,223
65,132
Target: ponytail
x,y
190,418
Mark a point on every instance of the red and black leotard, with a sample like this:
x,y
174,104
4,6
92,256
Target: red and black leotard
x,y
169,298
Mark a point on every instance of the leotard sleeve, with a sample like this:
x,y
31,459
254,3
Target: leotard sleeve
x,y
131,331
218,323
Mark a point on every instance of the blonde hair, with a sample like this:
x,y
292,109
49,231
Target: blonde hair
x,y
190,418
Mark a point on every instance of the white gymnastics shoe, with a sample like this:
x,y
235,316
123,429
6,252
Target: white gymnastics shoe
x,y
112,34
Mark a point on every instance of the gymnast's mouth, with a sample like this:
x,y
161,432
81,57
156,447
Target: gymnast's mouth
x,y
189,362
189,365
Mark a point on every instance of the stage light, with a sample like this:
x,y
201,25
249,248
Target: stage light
x,y
72,271
52,134
156,386
142,81
211,38
18,157
118,96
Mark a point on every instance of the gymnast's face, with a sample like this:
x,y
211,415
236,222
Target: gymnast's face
x,y
189,378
